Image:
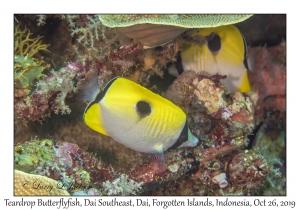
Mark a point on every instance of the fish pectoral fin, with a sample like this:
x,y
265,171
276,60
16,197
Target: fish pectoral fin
x,y
92,118
158,159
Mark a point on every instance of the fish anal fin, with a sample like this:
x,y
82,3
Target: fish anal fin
x,y
244,86
92,118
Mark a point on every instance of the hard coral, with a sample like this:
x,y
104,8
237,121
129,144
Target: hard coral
x,y
26,67
26,46
181,20
154,30
36,185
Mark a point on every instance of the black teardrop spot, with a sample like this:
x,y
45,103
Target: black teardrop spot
x,y
214,45
143,108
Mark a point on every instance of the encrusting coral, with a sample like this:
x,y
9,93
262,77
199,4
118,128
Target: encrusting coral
x,y
35,185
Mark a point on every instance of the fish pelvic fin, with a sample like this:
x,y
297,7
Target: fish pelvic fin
x,y
92,118
158,159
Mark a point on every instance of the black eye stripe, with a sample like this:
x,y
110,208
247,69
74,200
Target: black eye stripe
x,y
143,108
214,44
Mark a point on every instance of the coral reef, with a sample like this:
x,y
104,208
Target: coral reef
x,y
232,158
73,169
115,55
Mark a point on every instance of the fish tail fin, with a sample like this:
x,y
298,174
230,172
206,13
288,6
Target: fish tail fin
x,y
191,142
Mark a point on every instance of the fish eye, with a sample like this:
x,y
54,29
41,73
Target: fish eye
x,y
214,44
143,108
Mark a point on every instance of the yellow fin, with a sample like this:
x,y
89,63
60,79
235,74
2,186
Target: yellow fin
x,y
92,118
244,86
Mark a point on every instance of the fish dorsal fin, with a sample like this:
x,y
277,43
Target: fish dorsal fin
x,y
101,94
92,118
89,88
92,114
245,53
